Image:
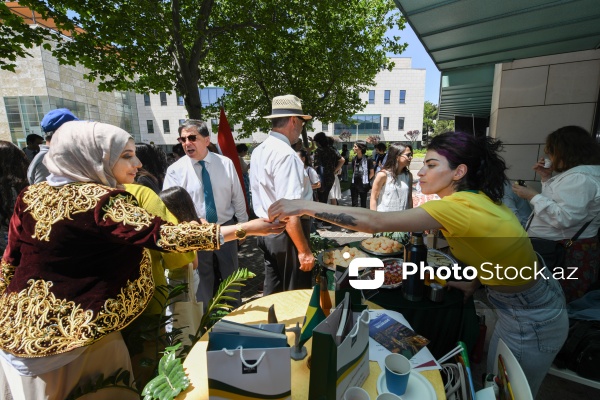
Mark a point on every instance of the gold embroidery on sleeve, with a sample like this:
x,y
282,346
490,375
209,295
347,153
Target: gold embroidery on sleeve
x,y
123,208
185,237
49,205
34,323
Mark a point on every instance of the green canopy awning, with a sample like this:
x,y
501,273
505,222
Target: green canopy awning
x,y
466,38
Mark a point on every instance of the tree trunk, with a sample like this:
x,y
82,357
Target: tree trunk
x,y
191,98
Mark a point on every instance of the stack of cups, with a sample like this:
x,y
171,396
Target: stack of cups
x,y
397,372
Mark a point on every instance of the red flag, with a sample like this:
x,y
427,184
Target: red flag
x,y
227,145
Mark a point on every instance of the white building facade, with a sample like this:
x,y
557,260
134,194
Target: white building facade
x,y
394,107
39,84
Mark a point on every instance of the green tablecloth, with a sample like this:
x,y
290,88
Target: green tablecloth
x,y
442,323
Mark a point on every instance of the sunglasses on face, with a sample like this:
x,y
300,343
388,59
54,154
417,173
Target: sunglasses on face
x,y
191,138
303,120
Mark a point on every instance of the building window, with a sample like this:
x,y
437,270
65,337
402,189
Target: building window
x,y
386,123
146,99
179,100
163,99
402,96
324,126
181,121
386,97
150,126
401,123
166,127
371,97
368,124
210,96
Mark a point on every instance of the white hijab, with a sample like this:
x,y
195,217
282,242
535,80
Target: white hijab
x,y
84,151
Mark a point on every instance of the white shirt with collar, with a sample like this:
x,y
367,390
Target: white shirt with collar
x,y
37,171
568,200
227,190
276,172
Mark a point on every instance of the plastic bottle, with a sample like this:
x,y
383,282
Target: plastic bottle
x,y
324,297
413,287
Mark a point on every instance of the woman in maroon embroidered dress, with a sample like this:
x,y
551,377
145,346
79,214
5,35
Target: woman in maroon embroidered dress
x,y
75,271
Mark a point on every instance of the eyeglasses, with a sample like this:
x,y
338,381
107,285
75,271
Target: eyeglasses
x,y
303,120
191,138
408,155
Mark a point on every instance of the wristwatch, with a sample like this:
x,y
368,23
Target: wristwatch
x,y
240,232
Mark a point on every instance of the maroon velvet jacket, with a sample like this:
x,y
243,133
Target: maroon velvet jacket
x,y
75,268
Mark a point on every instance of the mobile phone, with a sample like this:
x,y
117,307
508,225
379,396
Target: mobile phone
x,y
521,182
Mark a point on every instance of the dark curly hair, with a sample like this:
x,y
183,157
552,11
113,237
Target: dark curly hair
x,y
486,170
13,177
571,146
154,161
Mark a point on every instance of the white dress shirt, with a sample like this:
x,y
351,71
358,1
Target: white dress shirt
x,y
276,172
568,200
310,178
227,190
37,171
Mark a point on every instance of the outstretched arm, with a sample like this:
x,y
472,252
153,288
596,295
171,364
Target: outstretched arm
x,y
356,218
255,227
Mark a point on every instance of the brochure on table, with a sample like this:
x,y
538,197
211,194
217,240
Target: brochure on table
x,y
422,361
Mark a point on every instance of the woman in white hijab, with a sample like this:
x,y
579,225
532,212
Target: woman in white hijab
x,y
75,271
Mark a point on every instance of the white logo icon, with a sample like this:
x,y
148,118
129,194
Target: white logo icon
x,y
366,263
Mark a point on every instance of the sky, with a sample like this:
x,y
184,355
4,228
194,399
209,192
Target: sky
x,y
420,59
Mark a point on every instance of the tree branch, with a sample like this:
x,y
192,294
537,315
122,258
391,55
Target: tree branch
x,y
201,31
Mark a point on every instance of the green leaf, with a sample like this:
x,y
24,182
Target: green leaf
x,y
171,379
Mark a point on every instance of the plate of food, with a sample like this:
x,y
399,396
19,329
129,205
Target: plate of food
x,y
436,258
330,258
382,246
393,273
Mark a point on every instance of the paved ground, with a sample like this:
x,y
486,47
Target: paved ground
x,y
553,388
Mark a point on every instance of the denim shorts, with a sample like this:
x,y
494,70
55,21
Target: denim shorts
x,y
533,324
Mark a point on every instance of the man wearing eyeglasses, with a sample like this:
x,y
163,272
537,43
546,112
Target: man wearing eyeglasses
x,y
213,183
276,172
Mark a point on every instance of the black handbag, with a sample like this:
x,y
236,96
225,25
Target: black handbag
x,y
554,252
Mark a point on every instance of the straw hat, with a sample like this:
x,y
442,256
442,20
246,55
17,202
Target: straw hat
x,y
287,106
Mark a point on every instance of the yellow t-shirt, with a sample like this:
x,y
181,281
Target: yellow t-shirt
x,y
150,201
486,236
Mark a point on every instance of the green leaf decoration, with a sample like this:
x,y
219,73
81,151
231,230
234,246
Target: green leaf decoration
x,y
319,243
171,379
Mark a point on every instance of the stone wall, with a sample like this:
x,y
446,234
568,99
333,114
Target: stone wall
x,y
533,97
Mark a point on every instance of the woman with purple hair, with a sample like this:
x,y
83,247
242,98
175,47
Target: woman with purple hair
x,y
468,174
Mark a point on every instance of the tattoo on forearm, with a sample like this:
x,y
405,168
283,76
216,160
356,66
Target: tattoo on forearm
x,y
344,219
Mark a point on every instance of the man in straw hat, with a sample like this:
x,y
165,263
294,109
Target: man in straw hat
x,y
276,172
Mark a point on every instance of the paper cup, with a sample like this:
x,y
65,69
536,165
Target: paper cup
x,y
356,393
388,396
397,371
